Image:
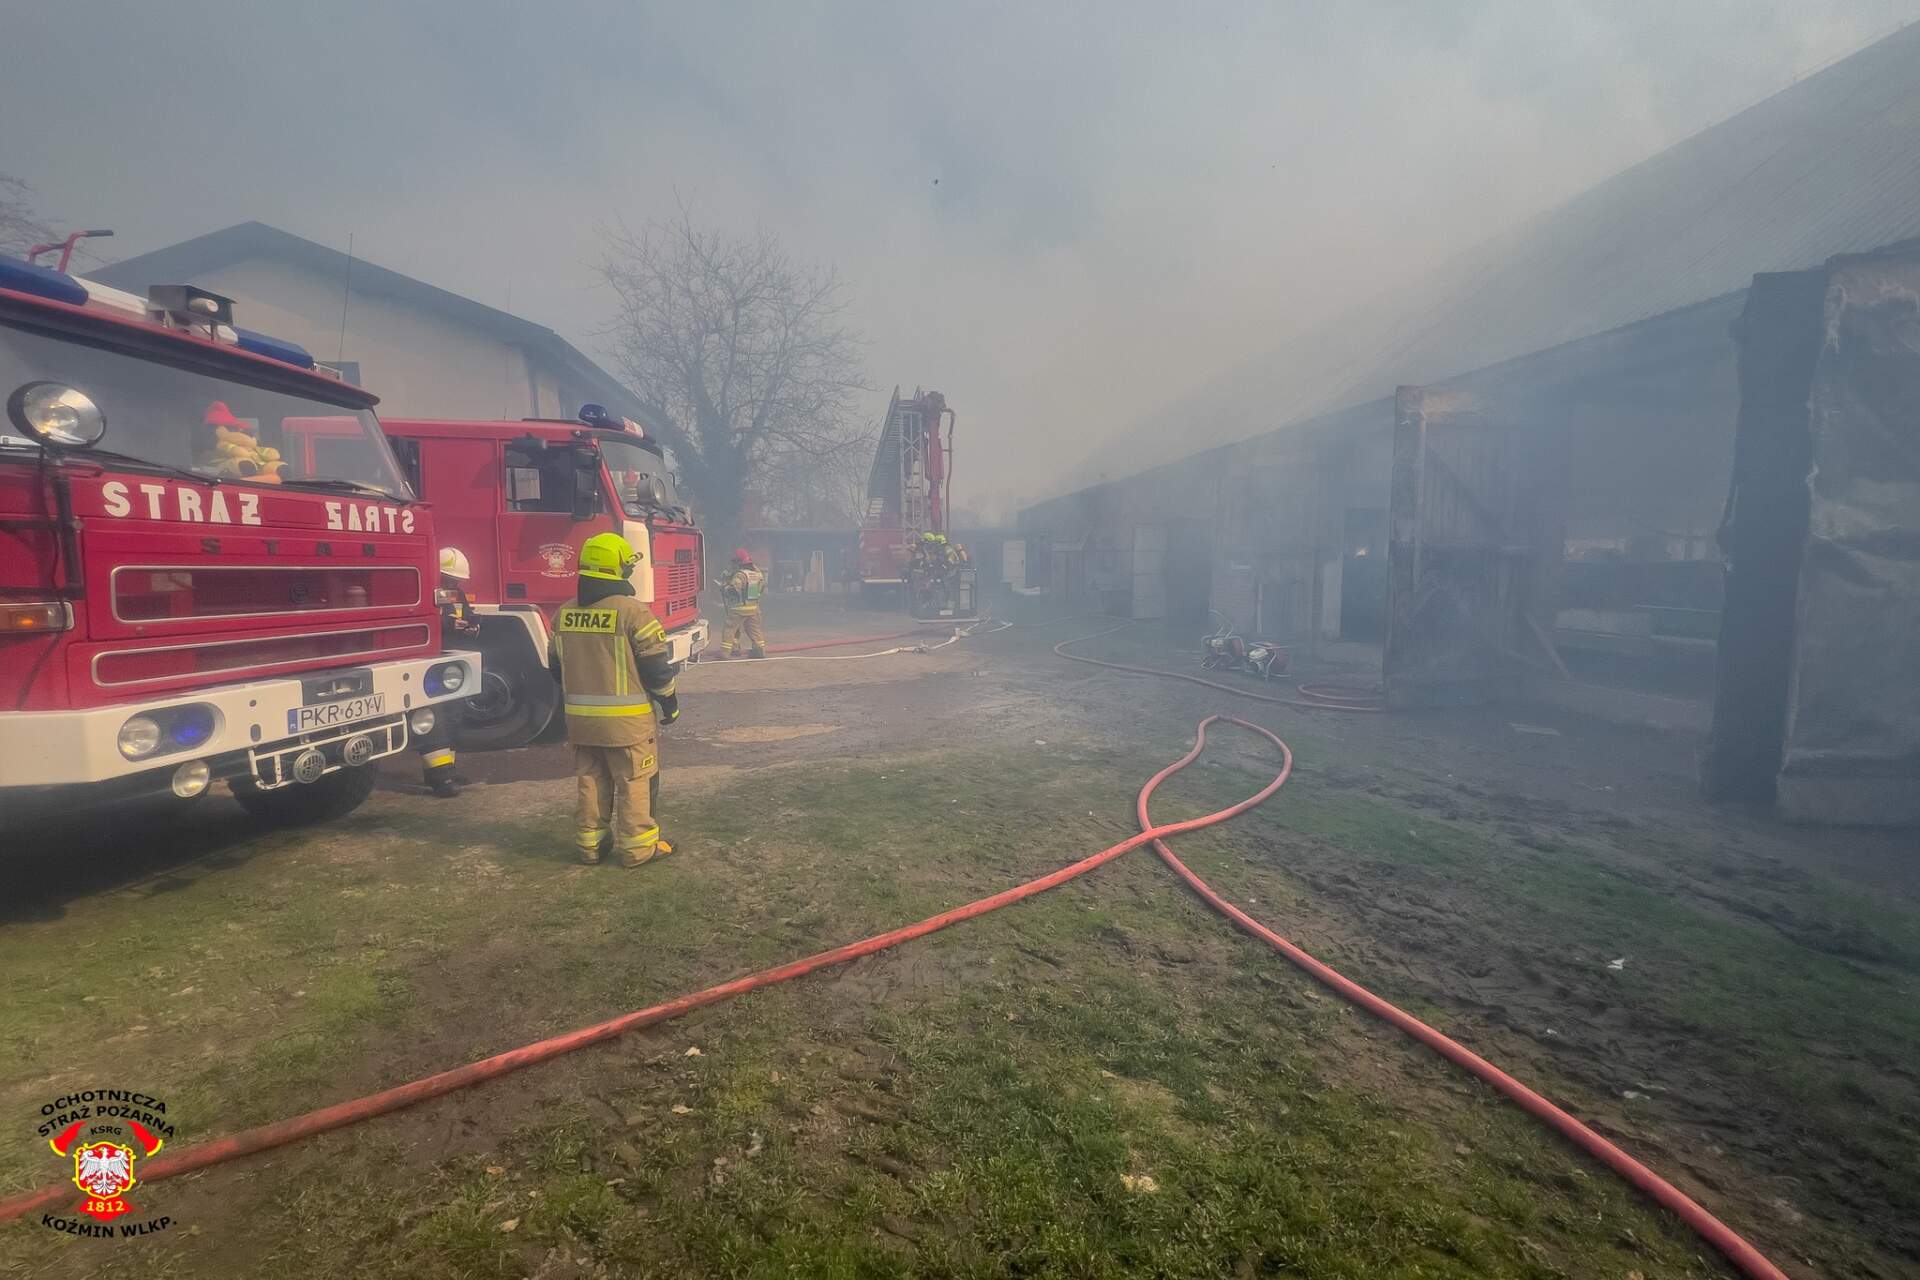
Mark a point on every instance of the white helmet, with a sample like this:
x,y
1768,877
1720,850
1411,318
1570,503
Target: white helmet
x,y
453,563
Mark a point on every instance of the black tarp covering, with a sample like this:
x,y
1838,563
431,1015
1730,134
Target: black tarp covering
x,y
1852,750
1779,335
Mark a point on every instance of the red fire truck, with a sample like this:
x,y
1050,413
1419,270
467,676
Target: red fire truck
x,y
519,498
211,568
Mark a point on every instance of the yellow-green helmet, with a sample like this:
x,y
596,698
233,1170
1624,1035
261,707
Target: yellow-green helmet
x,y
609,556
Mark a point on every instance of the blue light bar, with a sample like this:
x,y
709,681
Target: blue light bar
x,y
272,348
22,276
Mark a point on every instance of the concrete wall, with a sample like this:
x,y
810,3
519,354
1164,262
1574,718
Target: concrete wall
x,y
418,362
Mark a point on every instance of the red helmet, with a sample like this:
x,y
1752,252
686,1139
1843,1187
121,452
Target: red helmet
x,y
742,556
218,415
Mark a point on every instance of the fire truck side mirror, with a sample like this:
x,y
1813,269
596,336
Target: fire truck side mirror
x,y
586,490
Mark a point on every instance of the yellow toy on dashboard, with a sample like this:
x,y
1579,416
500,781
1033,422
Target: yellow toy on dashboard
x,y
229,448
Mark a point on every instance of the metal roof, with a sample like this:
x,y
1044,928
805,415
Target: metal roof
x,y
250,241
1823,167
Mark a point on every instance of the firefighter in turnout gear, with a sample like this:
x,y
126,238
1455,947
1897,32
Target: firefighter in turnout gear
x,y
741,590
610,657
457,626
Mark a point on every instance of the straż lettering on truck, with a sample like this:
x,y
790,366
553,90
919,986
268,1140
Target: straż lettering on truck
x,y
211,566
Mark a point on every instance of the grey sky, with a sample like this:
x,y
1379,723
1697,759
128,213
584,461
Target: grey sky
x,y
1129,197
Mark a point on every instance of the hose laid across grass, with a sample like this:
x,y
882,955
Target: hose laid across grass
x,y
1749,1260
1735,1248
341,1114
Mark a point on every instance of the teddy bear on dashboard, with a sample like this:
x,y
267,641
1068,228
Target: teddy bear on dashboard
x,y
229,447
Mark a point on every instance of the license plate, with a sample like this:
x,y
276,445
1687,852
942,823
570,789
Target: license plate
x,y
329,714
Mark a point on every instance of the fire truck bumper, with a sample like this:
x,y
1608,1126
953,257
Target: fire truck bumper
x,y
276,732
688,642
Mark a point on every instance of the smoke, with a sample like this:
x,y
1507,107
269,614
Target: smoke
x,y
1062,216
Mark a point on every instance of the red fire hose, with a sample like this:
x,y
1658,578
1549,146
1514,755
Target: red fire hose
x,y
1750,1261
342,1114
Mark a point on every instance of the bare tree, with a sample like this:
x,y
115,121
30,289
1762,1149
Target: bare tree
x,y
817,490
20,225
741,354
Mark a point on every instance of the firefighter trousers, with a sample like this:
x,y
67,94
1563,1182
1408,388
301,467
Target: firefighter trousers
x,y
741,621
616,802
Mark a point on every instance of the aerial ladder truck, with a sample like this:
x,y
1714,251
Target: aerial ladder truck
x,y
906,545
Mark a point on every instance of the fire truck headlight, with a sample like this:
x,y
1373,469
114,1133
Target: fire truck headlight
x,y
139,737
191,778
421,721
54,413
448,677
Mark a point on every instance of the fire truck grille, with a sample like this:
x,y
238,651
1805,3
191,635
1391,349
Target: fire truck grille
x,y
161,593
680,592
234,657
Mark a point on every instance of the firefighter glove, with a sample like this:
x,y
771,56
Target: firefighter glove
x,y
667,706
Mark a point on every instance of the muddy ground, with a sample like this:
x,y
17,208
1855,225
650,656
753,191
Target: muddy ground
x,y
1732,1000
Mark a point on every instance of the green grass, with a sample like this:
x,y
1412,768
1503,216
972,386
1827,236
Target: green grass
x,y
991,1131
1797,1004
971,1106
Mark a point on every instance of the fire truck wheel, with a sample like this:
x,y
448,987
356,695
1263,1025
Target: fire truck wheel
x,y
517,696
510,710
333,796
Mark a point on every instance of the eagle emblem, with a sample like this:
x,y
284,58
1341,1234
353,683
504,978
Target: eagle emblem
x,y
104,1170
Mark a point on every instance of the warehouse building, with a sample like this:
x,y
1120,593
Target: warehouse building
x,y
1603,331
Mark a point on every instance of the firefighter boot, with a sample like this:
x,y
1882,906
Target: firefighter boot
x,y
436,765
644,854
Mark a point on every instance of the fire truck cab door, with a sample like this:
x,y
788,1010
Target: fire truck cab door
x,y
458,477
547,511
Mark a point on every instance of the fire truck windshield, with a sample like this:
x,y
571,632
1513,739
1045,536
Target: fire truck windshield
x,y
187,420
640,477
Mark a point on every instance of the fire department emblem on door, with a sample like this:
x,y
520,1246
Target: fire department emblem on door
x,y
558,559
